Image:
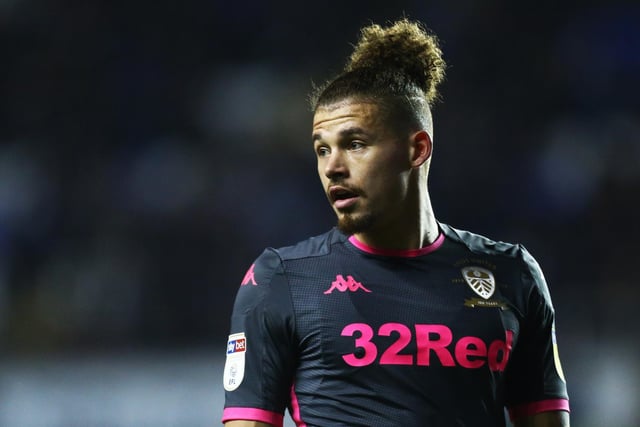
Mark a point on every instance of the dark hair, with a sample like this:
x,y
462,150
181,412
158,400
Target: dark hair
x,y
398,67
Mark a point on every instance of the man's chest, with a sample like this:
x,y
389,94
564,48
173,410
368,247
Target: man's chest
x,y
424,316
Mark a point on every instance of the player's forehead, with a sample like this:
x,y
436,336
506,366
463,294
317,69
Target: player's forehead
x,y
348,113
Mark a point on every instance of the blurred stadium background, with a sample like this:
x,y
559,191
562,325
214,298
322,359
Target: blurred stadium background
x,y
150,150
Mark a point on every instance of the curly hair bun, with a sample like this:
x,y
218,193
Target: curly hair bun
x,y
405,46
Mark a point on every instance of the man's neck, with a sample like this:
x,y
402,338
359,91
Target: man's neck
x,y
407,232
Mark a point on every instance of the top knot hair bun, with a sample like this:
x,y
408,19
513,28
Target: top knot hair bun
x,y
406,47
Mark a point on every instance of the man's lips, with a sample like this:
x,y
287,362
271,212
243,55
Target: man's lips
x,y
342,197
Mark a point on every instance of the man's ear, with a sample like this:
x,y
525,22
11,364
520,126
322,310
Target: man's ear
x,y
421,147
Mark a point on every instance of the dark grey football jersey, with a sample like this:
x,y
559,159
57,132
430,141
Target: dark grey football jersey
x,y
347,335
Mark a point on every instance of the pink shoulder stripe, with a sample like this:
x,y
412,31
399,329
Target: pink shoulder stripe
x,y
406,253
253,414
533,408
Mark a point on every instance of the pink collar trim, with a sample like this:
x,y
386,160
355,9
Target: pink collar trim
x,y
406,253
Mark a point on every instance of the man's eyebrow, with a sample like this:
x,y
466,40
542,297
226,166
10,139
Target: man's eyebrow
x,y
352,131
344,133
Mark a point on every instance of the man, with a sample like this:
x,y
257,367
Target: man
x,y
392,319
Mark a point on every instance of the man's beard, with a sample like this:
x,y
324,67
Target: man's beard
x,y
350,224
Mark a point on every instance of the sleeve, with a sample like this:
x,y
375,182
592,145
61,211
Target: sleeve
x,y
534,379
261,350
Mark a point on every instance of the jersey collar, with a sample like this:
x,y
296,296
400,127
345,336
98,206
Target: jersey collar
x,y
405,253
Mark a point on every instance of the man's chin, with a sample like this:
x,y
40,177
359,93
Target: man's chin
x,y
351,224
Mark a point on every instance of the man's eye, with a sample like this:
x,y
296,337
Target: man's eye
x,y
356,145
322,151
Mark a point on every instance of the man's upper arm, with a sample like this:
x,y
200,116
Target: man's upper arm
x,y
534,379
261,349
544,419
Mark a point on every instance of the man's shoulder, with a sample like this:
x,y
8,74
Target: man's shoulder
x,y
314,246
480,244
273,261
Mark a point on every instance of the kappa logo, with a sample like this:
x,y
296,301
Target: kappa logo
x,y
249,277
480,280
343,285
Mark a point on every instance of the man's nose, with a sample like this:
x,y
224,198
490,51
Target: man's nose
x,y
336,166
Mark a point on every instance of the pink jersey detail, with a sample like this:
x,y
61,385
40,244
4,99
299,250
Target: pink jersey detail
x,y
343,285
295,409
249,277
253,414
439,346
533,408
391,355
406,253
471,346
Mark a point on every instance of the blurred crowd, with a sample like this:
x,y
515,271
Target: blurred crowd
x,y
149,151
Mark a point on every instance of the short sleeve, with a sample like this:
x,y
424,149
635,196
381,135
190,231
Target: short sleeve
x,y
261,350
535,382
